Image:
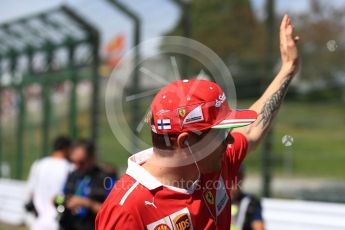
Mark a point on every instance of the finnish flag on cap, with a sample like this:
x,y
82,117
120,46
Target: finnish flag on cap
x,y
164,124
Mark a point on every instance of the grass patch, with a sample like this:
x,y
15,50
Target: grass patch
x,y
318,149
319,140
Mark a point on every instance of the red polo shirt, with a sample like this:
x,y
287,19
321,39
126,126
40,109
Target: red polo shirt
x,y
140,201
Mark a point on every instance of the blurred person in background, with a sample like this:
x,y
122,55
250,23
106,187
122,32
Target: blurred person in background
x,y
46,179
112,172
85,190
246,210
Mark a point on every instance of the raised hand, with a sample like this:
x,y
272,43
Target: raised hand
x,y
288,46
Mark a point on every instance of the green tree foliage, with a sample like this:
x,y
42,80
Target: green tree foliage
x,y
322,38
231,29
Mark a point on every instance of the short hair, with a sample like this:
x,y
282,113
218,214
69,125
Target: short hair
x,y
61,143
168,141
163,141
88,146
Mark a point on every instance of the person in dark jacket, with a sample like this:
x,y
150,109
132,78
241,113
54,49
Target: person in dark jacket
x,y
85,190
246,210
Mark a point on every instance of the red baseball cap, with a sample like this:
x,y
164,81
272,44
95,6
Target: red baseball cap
x,y
195,105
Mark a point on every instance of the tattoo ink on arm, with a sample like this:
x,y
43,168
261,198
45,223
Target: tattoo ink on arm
x,y
272,104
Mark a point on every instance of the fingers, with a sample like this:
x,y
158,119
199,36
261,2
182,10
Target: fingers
x,y
288,21
286,32
289,37
282,30
283,23
289,30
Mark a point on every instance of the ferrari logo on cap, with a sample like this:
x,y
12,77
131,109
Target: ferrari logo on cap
x,y
182,112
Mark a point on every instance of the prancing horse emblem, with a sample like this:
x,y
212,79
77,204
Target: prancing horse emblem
x,y
209,197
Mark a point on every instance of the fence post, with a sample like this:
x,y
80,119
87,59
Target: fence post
x,y
1,110
135,87
73,94
46,103
20,116
268,142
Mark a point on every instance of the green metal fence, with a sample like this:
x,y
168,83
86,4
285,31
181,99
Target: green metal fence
x,y
44,35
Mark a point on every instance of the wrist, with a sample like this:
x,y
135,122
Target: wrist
x,y
289,69
88,203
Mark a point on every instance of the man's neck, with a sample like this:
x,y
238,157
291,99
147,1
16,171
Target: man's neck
x,y
58,155
181,177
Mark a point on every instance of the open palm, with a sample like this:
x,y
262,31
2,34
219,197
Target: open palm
x,y
288,46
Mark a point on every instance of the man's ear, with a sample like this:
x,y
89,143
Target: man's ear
x,y
182,140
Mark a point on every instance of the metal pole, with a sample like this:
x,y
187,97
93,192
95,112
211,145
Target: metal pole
x,y
31,127
268,142
20,131
1,109
185,7
46,104
95,42
73,103
135,87
95,85
20,116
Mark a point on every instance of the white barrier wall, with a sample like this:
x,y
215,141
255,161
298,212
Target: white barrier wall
x,y
303,215
12,198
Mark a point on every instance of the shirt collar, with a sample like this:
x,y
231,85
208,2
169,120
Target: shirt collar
x,y
140,174
136,171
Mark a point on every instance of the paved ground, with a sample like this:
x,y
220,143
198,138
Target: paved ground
x,y
9,227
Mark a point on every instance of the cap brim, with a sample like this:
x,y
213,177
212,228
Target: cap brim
x,y
237,118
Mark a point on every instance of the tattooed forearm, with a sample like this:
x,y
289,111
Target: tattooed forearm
x,y
272,104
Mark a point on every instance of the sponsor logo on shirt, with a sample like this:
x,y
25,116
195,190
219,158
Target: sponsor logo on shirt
x,y
209,197
222,197
179,220
182,222
161,224
162,227
221,203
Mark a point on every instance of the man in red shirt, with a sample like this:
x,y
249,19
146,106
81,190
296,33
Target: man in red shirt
x,y
184,181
